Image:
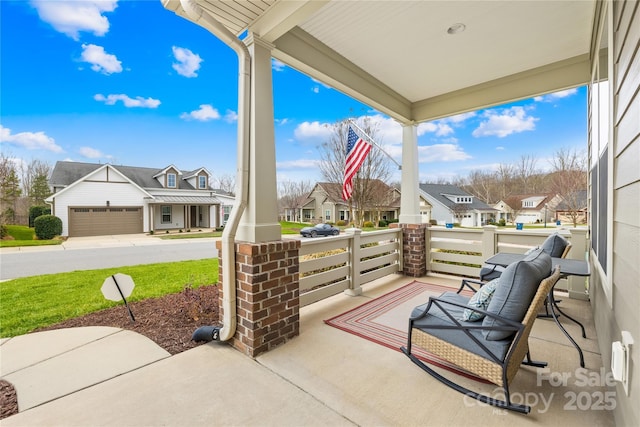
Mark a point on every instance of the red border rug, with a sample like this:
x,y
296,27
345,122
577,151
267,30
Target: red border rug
x,y
385,320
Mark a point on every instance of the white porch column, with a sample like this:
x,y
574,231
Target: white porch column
x,y
259,223
410,197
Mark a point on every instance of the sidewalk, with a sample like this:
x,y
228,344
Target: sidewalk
x,y
110,241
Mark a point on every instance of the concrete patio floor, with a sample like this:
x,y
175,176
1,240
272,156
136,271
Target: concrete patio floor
x,y
324,377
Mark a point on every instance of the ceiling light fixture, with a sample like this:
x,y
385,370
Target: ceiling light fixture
x,y
456,28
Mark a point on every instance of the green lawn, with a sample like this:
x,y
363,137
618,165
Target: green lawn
x,y
32,302
24,236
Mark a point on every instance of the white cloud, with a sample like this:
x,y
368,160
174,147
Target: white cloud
x,y
556,95
315,89
282,121
459,118
100,61
502,123
298,164
204,114
441,153
72,17
127,101
188,62
92,153
230,116
313,132
29,140
277,65
438,127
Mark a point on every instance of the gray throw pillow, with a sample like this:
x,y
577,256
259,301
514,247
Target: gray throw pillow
x,y
515,291
555,245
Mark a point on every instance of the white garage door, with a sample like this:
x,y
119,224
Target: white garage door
x,y
101,221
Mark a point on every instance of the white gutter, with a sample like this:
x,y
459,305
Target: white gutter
x,y
200,17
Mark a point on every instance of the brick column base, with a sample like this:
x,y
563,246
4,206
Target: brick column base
x,y
414,256
267,294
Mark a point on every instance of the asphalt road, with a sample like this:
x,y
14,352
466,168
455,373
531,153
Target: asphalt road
x,y
44,261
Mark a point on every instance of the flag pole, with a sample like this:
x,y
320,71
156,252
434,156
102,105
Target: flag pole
x,y
372,142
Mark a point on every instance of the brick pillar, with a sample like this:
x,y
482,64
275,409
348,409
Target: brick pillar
x,y
414,256
267,287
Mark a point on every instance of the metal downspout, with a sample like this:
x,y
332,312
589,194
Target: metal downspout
x,y
200,17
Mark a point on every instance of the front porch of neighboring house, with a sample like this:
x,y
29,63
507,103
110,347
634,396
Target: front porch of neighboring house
x,y
179,216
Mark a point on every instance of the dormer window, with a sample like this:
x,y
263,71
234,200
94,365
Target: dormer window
x,y
202,182
463,199
171,180
528,204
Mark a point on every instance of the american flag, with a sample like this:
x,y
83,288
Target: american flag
x,y
357,150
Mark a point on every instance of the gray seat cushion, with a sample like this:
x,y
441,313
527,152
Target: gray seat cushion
x,y
458,337
518,285
555,245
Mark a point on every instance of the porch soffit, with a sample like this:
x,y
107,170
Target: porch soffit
x,y
397,57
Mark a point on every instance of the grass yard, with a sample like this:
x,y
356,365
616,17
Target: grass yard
x,y
32,302
24,236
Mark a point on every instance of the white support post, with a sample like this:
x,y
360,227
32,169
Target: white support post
x,y
410,195
489,243
259,223
354,262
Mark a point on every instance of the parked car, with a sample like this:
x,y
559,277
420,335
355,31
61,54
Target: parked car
x,y
320,230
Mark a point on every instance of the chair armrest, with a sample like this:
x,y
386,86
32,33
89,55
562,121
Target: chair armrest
x,y
466,284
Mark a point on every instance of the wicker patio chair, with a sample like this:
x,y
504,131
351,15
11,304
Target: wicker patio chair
x,y
494,348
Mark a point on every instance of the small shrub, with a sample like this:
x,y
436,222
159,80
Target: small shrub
x,y
392,221
382,223
3,231
47,227
502,222
433,222
36,211
368,224
341,223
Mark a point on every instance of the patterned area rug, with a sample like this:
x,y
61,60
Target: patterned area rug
x,y
385,320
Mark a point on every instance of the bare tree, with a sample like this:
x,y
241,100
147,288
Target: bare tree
x,y
569,181
226,183
292,196
525,170
376,166
483,185
505,176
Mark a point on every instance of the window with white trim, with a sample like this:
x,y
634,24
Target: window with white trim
x,y
327,215
166,214
202,182
171,180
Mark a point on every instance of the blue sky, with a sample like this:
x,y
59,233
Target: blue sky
x,y
128,82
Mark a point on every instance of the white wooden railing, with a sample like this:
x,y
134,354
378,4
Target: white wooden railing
x,y
344,263
462,252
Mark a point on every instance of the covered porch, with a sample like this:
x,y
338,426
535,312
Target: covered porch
x,y
416,62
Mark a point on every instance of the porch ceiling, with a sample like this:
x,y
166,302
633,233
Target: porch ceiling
x,y
397,56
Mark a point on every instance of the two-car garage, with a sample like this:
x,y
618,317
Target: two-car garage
x,y
100,221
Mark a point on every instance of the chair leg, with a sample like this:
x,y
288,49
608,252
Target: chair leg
x,y
533,363
506,404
